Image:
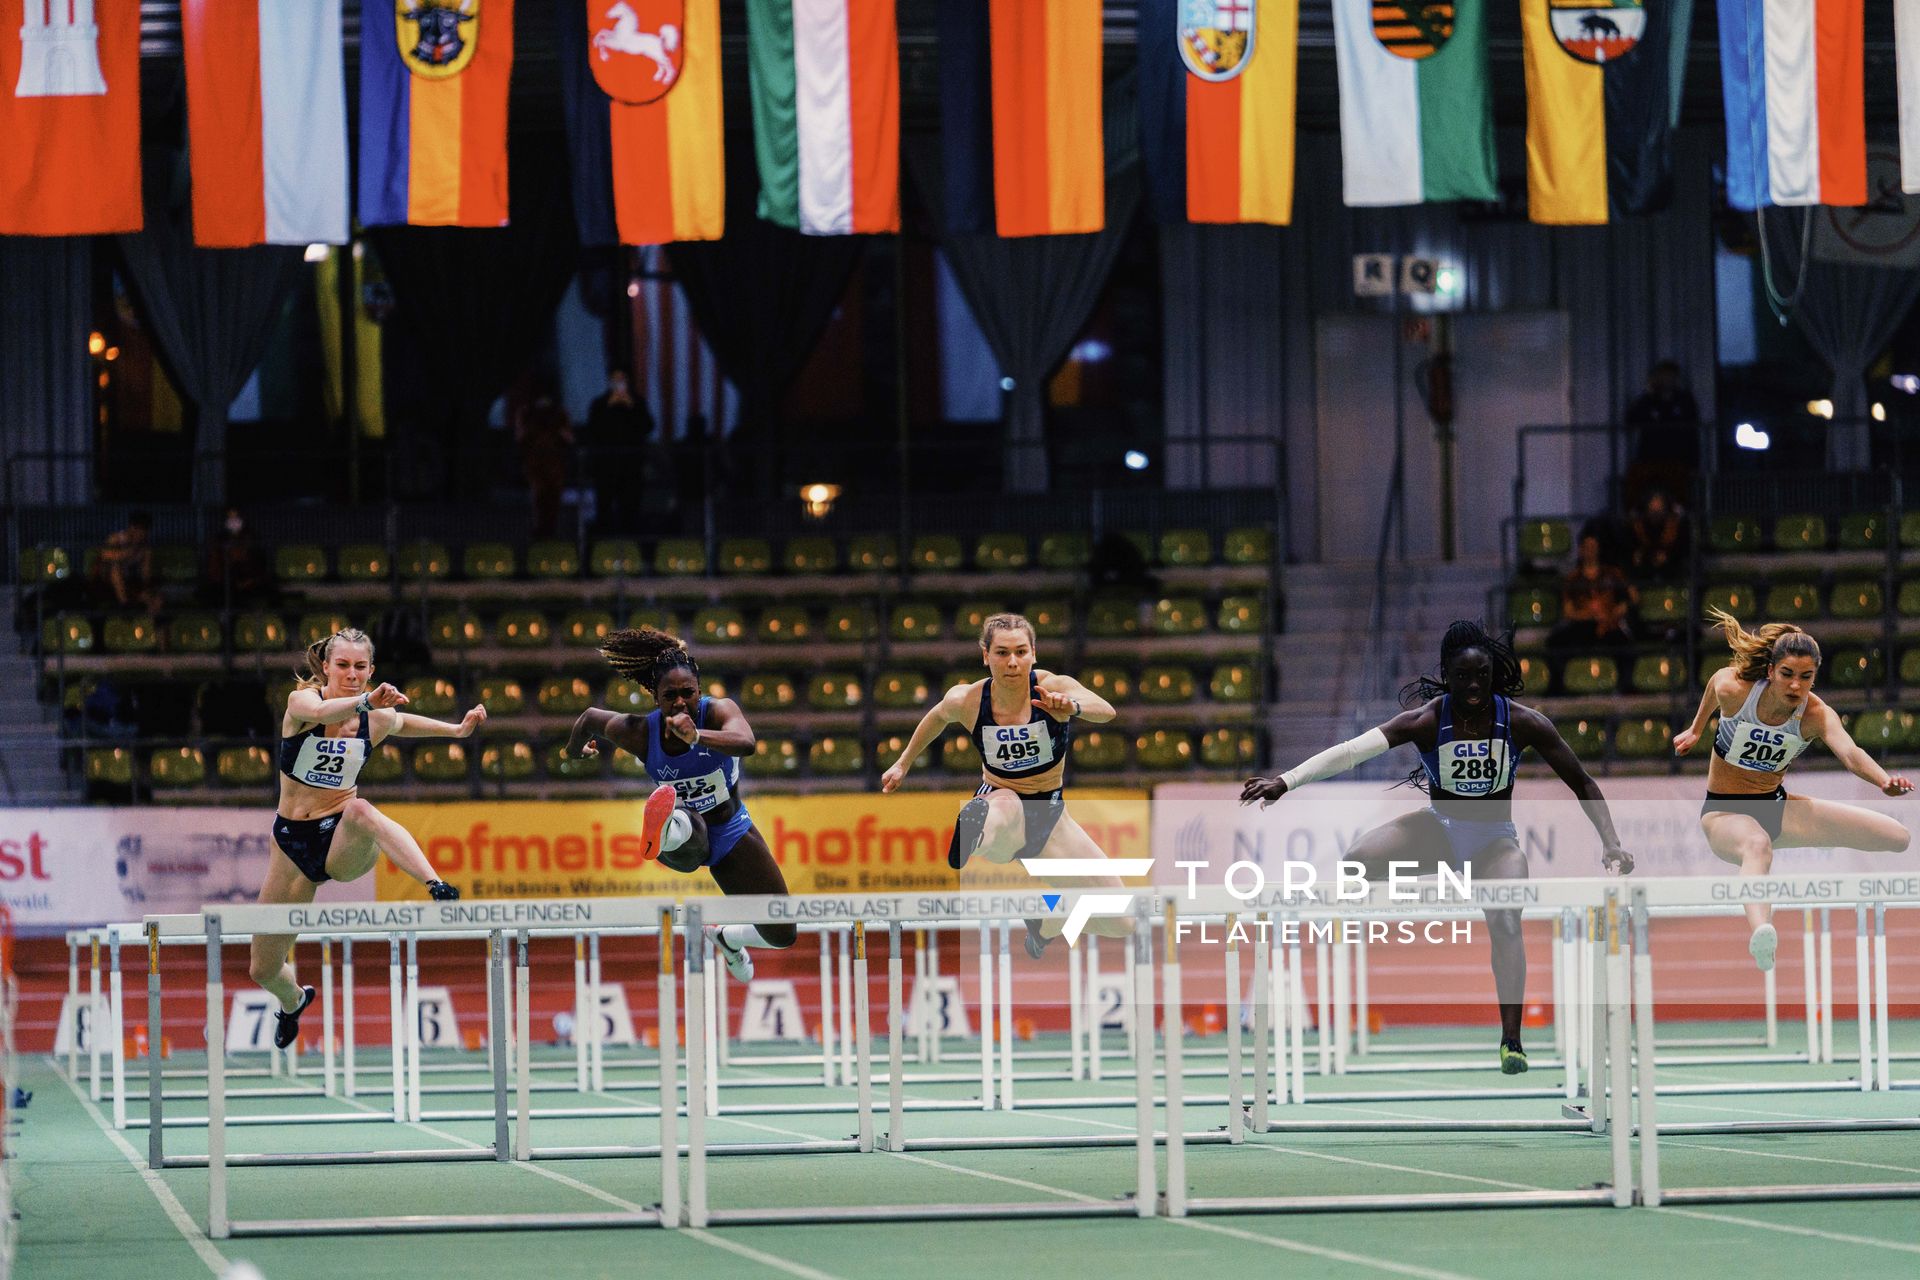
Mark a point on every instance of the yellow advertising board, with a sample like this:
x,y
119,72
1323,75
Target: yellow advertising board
x,y
860,843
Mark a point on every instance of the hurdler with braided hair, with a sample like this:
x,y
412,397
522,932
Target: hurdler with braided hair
x,y
1768,716
1470,734
691,746
322,829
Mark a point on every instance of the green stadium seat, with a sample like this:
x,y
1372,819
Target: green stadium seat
x,y
935,553
78,691
834,691
176,566
525,629
71,634
1100,751
761,691
364,562
998,552
1792,602
959,755
1248,546
384,765
489,561
553,559
1908,601
614,558
440,761
901,690
1051,619
1111,683
1910,529
110,766
1241,615
1591,674
835,756
1665,604
315,627
1179,616
1228,749
1855,667
1734,533
784,624
131,633
456,631
171,767
259,633
586,628
1166,684
1545,539
1533,606
1536,676
194,633
243,766
556,763
1143,543
679,557
714,686
970,616
1186,547
746,555
1587,737
1643,739
914,620
564,696
959,676
1065,550
1163,749
719,625
1231,683
773,758
39,565
1857,598
1658,673
1110,617
1736,598
505,696
431,696
1800,533
810,554
1883,729
656,616
510,761
888,749
1910,666
300,563
850,624
425,560
1863,531
873,552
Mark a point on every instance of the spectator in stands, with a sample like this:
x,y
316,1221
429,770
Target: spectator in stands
x,y
1666,447
236,567
545,437
124,570
619,429
1594,600
1659,536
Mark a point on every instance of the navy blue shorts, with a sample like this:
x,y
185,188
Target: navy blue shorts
x,y
1767,808
305,842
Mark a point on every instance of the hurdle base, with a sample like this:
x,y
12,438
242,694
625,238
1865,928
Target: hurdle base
x,y
842,1214
1748,1195
1596,1196
418,1223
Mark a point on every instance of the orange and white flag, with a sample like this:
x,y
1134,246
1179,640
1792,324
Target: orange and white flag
x,y
69,117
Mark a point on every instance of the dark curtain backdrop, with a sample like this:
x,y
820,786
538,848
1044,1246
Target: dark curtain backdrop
x,y
46,402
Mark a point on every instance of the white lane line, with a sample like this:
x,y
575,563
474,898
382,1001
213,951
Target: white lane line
x,y
1839,1237
1784,1155
169,1203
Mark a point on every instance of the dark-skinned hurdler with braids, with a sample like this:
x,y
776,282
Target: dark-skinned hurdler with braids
x,y
691,746
1470,734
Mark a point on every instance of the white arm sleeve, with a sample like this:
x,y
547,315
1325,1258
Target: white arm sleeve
x,y
1336,760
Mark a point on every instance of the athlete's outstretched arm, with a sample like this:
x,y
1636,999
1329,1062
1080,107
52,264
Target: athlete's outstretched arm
x,y
1334,760
307,706
406,725
593,723
730,735
1827,727
1689,737
1064,696
938,717
1531,729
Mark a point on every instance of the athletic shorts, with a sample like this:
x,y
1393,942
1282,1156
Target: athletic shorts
x,y
1467,837
1041,814
1767,809
305,842
722,838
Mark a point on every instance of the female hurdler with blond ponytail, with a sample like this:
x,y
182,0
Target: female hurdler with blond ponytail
x,y
1768,716
322,830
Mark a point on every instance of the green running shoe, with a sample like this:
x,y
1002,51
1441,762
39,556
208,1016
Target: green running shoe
x,y
1513,1059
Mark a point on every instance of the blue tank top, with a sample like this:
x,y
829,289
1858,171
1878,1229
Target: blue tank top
x,y
703,778
1020,750
1472,768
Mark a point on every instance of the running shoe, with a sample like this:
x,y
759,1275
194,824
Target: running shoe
x,y
967,830
1513,1059
1762,945
441,891
739,960
286,1026
653,820
1036,941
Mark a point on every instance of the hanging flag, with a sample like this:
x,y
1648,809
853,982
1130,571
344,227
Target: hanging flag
x,y
1217,83
433,112
266,121
826,113
69,118
1599,108
1416,104
641,80
1793,74
1020,105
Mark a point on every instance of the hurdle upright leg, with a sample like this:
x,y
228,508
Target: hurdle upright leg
x,y
1236,1097
396,1009
1826,984
1811,972
95,1010
523,1016
1140,992
863,1035
1883,1077
1262,1024
1006,1016
75,1021
156,1125
346,1016
1172,1020
895,1137
1862,1002
699,960
326,1016
827,1062
217,1223
669,1079
1619,1074
987,1017
117,1015
1644,1022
